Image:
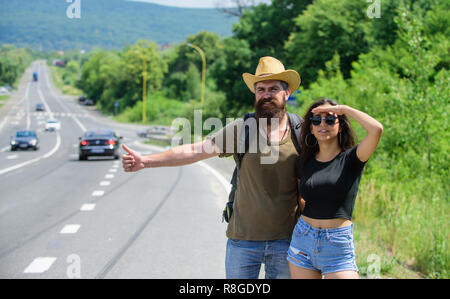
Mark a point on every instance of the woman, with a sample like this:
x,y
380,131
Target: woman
x,y
329,169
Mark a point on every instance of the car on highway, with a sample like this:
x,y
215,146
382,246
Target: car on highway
x,y
99,142
81,99
52,125
40,107
24,140
144,133
154,130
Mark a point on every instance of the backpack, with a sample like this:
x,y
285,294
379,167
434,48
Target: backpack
x,y
295,123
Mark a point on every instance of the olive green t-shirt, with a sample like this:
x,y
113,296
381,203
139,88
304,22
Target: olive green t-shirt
x,y
266,198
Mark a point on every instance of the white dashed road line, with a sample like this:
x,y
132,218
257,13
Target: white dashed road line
x,y
105,183
40,265
98,193
87,207
70,229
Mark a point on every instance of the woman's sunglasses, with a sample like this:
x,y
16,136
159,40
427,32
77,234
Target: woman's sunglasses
x,y
330,120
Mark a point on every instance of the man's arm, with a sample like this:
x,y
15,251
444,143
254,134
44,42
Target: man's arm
x,y
177,156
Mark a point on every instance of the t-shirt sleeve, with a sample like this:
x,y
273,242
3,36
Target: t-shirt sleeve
x,y
226,139
353,160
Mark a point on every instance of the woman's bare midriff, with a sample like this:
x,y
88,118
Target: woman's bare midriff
x,y
327,223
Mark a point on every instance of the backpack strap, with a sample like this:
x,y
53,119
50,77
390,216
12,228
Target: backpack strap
x,y
296,123
226,215
239,156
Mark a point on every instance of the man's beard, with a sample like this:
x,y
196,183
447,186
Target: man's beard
x,y
274,110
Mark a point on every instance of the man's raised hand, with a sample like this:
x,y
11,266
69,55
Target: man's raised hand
x,y
131,161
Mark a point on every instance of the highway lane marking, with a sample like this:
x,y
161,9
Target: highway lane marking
x,y
47,81
113,170
77,121
226,184
70,229
88,207
5,148
40,265
98,193
47,107
16,106
50,153
105,183
109,176
12,157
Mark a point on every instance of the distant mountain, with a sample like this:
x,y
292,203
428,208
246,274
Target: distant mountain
x,y
44,24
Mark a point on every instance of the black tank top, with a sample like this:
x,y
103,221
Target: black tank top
x,y
330,188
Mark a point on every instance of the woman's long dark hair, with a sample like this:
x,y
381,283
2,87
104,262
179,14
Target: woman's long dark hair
x,y
309,143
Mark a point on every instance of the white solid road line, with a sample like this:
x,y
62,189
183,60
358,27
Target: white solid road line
x,y
5,120
40,265
47,81
226,185
88,207
70,229
83,128
55,148
47,107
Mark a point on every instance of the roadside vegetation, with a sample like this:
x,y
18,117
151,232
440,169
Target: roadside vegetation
x,y
396,68
13,63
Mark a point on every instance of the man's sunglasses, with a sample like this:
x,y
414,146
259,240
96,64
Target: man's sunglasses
x,y
330,120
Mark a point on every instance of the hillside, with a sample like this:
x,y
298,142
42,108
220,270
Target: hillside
x,y
44,25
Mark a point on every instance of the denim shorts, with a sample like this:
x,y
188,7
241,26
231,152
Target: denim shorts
x,y
325,250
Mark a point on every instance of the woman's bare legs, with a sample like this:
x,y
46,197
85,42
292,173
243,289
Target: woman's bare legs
x,y
302,273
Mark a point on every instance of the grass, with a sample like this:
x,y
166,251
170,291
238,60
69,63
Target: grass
x,y
409,235
3,99
57,74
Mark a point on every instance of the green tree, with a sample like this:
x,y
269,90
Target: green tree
x,y
143,56
267,27
227,71
326,27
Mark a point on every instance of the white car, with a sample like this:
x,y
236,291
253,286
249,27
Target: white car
x,y
52,125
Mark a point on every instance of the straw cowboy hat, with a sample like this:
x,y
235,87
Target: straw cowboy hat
x,y
270,68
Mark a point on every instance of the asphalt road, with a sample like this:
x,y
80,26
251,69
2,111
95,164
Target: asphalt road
x,y
64,218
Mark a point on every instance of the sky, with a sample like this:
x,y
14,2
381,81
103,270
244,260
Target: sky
x,y
194,3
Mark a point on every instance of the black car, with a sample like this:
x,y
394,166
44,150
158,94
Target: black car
x,y
81,99
101,142
24,140
40,107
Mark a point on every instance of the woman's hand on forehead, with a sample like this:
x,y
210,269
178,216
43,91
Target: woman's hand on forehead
x,y
328,109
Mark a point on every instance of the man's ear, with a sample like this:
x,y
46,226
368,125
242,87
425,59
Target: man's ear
x,y
288,93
